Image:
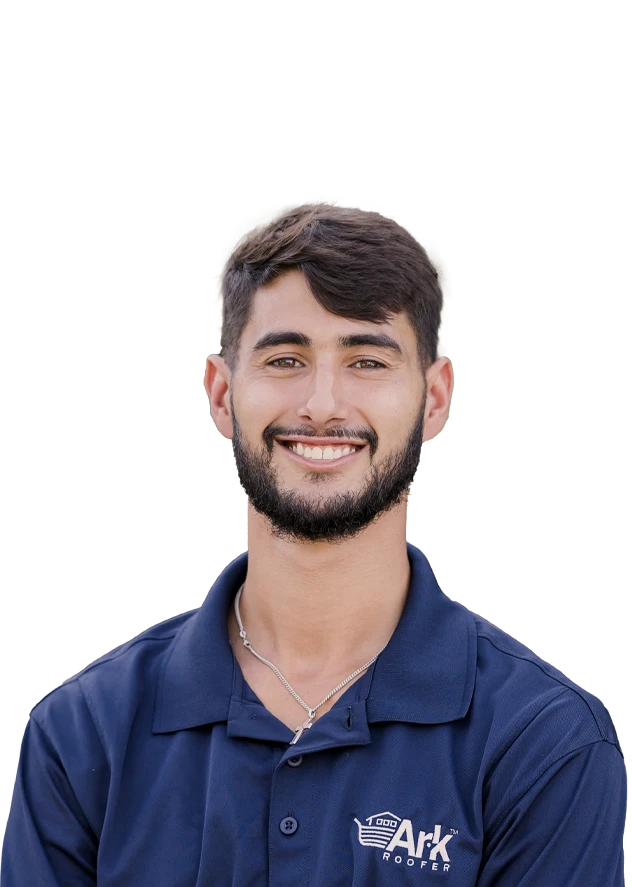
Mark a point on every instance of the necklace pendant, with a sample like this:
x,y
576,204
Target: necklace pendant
x,y
300,730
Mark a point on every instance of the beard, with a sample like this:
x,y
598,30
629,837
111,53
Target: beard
x,y
333,518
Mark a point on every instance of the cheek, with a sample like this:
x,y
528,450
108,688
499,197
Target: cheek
x,y
382,406
268,391
262,403
391,412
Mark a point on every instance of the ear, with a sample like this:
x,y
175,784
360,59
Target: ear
x,y
439,390
217,379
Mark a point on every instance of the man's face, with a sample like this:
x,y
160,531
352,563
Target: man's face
x,y
349,390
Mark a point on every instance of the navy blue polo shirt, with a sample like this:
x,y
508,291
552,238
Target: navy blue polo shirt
x,y
460,758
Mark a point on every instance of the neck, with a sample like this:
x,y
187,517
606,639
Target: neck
x,y
320,605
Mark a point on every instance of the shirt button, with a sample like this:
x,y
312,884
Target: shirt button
x,y
288,825
295,762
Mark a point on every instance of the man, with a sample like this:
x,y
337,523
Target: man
x,y
328,716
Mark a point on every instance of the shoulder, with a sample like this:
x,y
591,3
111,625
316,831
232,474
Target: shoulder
x,y
523,685
112,687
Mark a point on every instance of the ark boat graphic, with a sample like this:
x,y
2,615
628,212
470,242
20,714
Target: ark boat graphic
x,y
379,830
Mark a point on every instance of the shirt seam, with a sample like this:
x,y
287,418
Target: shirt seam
x,y
51,746
79,674
95,722
496,823
558,680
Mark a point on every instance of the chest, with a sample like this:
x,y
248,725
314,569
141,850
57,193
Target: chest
x,y
238,811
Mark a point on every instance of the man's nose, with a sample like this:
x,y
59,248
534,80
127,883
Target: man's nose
x,y
324,400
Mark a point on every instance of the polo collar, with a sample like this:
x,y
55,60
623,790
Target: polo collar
x,y
425,675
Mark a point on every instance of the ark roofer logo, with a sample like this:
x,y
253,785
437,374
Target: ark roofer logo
x,y
401,845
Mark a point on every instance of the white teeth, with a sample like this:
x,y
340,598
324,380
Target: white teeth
x,y
321,453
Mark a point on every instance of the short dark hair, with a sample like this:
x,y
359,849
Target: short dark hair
x,y
358,265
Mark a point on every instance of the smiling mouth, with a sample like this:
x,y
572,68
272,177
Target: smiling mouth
x,y
321,455
320,464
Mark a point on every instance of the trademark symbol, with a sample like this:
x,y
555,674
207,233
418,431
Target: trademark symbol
x,y
454,831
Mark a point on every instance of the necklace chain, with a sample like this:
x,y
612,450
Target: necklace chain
x,y
311,711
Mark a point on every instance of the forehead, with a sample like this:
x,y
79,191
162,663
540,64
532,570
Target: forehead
x,y
287,303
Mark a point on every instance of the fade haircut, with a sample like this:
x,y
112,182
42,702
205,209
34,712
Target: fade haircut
x,y
358,265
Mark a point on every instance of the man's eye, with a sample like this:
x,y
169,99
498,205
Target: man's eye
x,y
377,364
279,359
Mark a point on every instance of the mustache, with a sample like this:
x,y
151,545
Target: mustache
x,y
276,430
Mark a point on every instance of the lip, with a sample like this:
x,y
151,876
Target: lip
x,y
318,464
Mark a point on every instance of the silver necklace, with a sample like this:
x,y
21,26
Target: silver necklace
x,y
311,711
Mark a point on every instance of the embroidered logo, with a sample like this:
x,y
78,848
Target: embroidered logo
x,y
393,835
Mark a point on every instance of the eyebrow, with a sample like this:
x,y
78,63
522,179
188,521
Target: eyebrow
x,y
290,337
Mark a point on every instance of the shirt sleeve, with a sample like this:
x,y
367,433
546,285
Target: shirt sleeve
x,y
566,830
48,840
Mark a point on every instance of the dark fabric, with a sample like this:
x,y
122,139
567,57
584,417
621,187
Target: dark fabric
x,y
460,758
